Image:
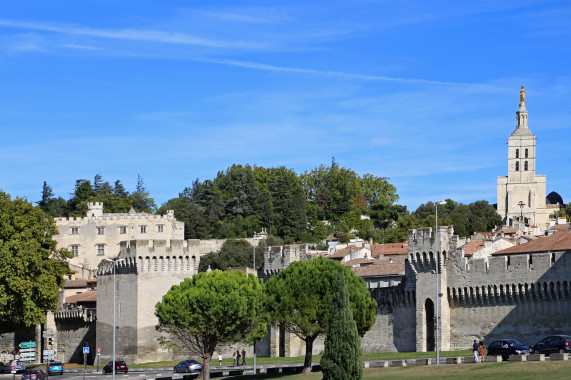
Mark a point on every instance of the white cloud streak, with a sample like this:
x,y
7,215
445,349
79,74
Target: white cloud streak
x,y
132,34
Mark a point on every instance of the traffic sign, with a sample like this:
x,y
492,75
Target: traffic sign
x,y
98,351
27,354
86,350
27,344
49,352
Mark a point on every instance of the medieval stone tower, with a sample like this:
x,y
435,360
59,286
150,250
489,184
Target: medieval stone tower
x,y
521,195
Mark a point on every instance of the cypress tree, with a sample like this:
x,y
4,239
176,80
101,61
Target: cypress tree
x,y
342,358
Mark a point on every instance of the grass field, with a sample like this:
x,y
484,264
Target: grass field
x,y
505,370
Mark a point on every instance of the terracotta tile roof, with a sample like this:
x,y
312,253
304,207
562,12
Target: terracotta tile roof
x,y
474,246
375,270
389,249
561,227
89,296
350,263
559,241
70,284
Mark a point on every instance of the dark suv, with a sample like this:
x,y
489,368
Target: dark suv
x,y
507,347
553,344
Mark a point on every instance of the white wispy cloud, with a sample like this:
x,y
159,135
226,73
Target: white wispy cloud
x,y
148,35
340,74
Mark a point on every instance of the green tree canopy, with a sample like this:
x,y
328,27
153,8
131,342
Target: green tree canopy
x,y
212,309
31,268
234,253
342,358
300,297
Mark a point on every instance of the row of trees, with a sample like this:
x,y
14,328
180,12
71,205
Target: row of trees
x,y
218,308
324,203
114,197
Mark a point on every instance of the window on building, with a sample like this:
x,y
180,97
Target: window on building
x,y
526,153
74,249
143,229
525,166
100,249
517,166
122,230
517,153
160,228
100,230
74,230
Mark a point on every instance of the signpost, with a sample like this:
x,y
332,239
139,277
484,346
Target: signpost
x,y
98,355
85,353
28,351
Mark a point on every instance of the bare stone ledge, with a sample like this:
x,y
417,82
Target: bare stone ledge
x,y
423,361
536,358
456,360
494,359
559,356
398,363
518,358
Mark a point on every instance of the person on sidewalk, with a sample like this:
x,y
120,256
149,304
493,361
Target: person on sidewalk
x,y
220,359
238,358
475,348
243,356
234,359
482,352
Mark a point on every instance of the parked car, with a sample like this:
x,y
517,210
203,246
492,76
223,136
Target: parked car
x,y
507,347
553,344
120,366
34,374
20,366
187,366
55,368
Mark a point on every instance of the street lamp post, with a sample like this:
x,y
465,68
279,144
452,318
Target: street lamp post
x,y
437,257
114,261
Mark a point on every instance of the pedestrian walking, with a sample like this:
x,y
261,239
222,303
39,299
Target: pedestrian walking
x,y
243,356
234,359
220,360
482,352
475,348
238,358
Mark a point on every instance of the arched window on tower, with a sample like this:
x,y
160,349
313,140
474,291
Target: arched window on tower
x,y
517,153
526,153
517,166
525,166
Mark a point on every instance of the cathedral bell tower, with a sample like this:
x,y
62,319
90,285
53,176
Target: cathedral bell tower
x,y
521,194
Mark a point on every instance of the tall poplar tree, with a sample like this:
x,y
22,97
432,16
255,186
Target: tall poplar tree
x,y
342,358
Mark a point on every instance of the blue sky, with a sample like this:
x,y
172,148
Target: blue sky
x,y
423,92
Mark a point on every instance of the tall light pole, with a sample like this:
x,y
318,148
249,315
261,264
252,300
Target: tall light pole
x,y
437,257
114,261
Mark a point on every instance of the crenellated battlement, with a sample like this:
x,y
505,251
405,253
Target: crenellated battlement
x,y
277,258
422,245
119,216
77,312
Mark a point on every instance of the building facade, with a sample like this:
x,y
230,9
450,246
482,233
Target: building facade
x,y
97,235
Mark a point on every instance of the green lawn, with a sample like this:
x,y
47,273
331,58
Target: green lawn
x,y
505,370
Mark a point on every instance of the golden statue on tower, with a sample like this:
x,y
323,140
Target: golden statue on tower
x,y
522,97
